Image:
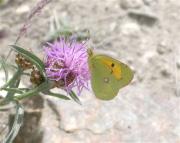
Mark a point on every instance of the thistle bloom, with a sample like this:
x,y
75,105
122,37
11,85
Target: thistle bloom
x,y
67,64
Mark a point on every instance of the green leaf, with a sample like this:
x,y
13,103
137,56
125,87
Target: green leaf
x,y
3,65
31,57
58,95
10,94
42,87
18,120
13,83
15,90
75,97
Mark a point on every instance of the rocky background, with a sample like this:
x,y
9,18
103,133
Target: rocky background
x,y
142,33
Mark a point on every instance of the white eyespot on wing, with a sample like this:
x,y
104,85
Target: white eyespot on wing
x,y
106,80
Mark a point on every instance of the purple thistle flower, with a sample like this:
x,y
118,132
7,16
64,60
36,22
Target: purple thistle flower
x,y
67,64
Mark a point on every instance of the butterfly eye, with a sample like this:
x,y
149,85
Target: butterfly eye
x,y
112,65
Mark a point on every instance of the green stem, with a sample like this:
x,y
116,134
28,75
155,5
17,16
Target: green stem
x,y
10,94
44,86
15,90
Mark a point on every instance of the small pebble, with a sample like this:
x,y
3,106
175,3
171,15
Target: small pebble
x,y
22,9
130,28
165,73
163,48
126,4
149,2
178,64
3,34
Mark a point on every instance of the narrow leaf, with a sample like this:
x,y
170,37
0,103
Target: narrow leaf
x,y
18,120
3,65
15,90
14,84
58,95
42,87
75,97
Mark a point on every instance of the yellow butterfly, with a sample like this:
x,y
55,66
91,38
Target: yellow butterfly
x,y
108,75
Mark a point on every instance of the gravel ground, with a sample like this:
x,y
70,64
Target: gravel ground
x,y
142,33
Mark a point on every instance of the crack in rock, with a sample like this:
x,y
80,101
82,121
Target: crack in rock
x,y
73,131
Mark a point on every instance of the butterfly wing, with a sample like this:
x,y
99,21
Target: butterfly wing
x,y
108,75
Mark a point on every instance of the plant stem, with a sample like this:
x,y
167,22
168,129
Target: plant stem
x,y
42,87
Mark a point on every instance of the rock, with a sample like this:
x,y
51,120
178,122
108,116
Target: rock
x,y
150,2
3,31
3,34
165,73
178,64
163,48
112,26
127,4
130,28
22,9
143,17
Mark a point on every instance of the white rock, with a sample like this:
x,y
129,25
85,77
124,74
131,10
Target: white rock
x,y
23,9
130,28
2,82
